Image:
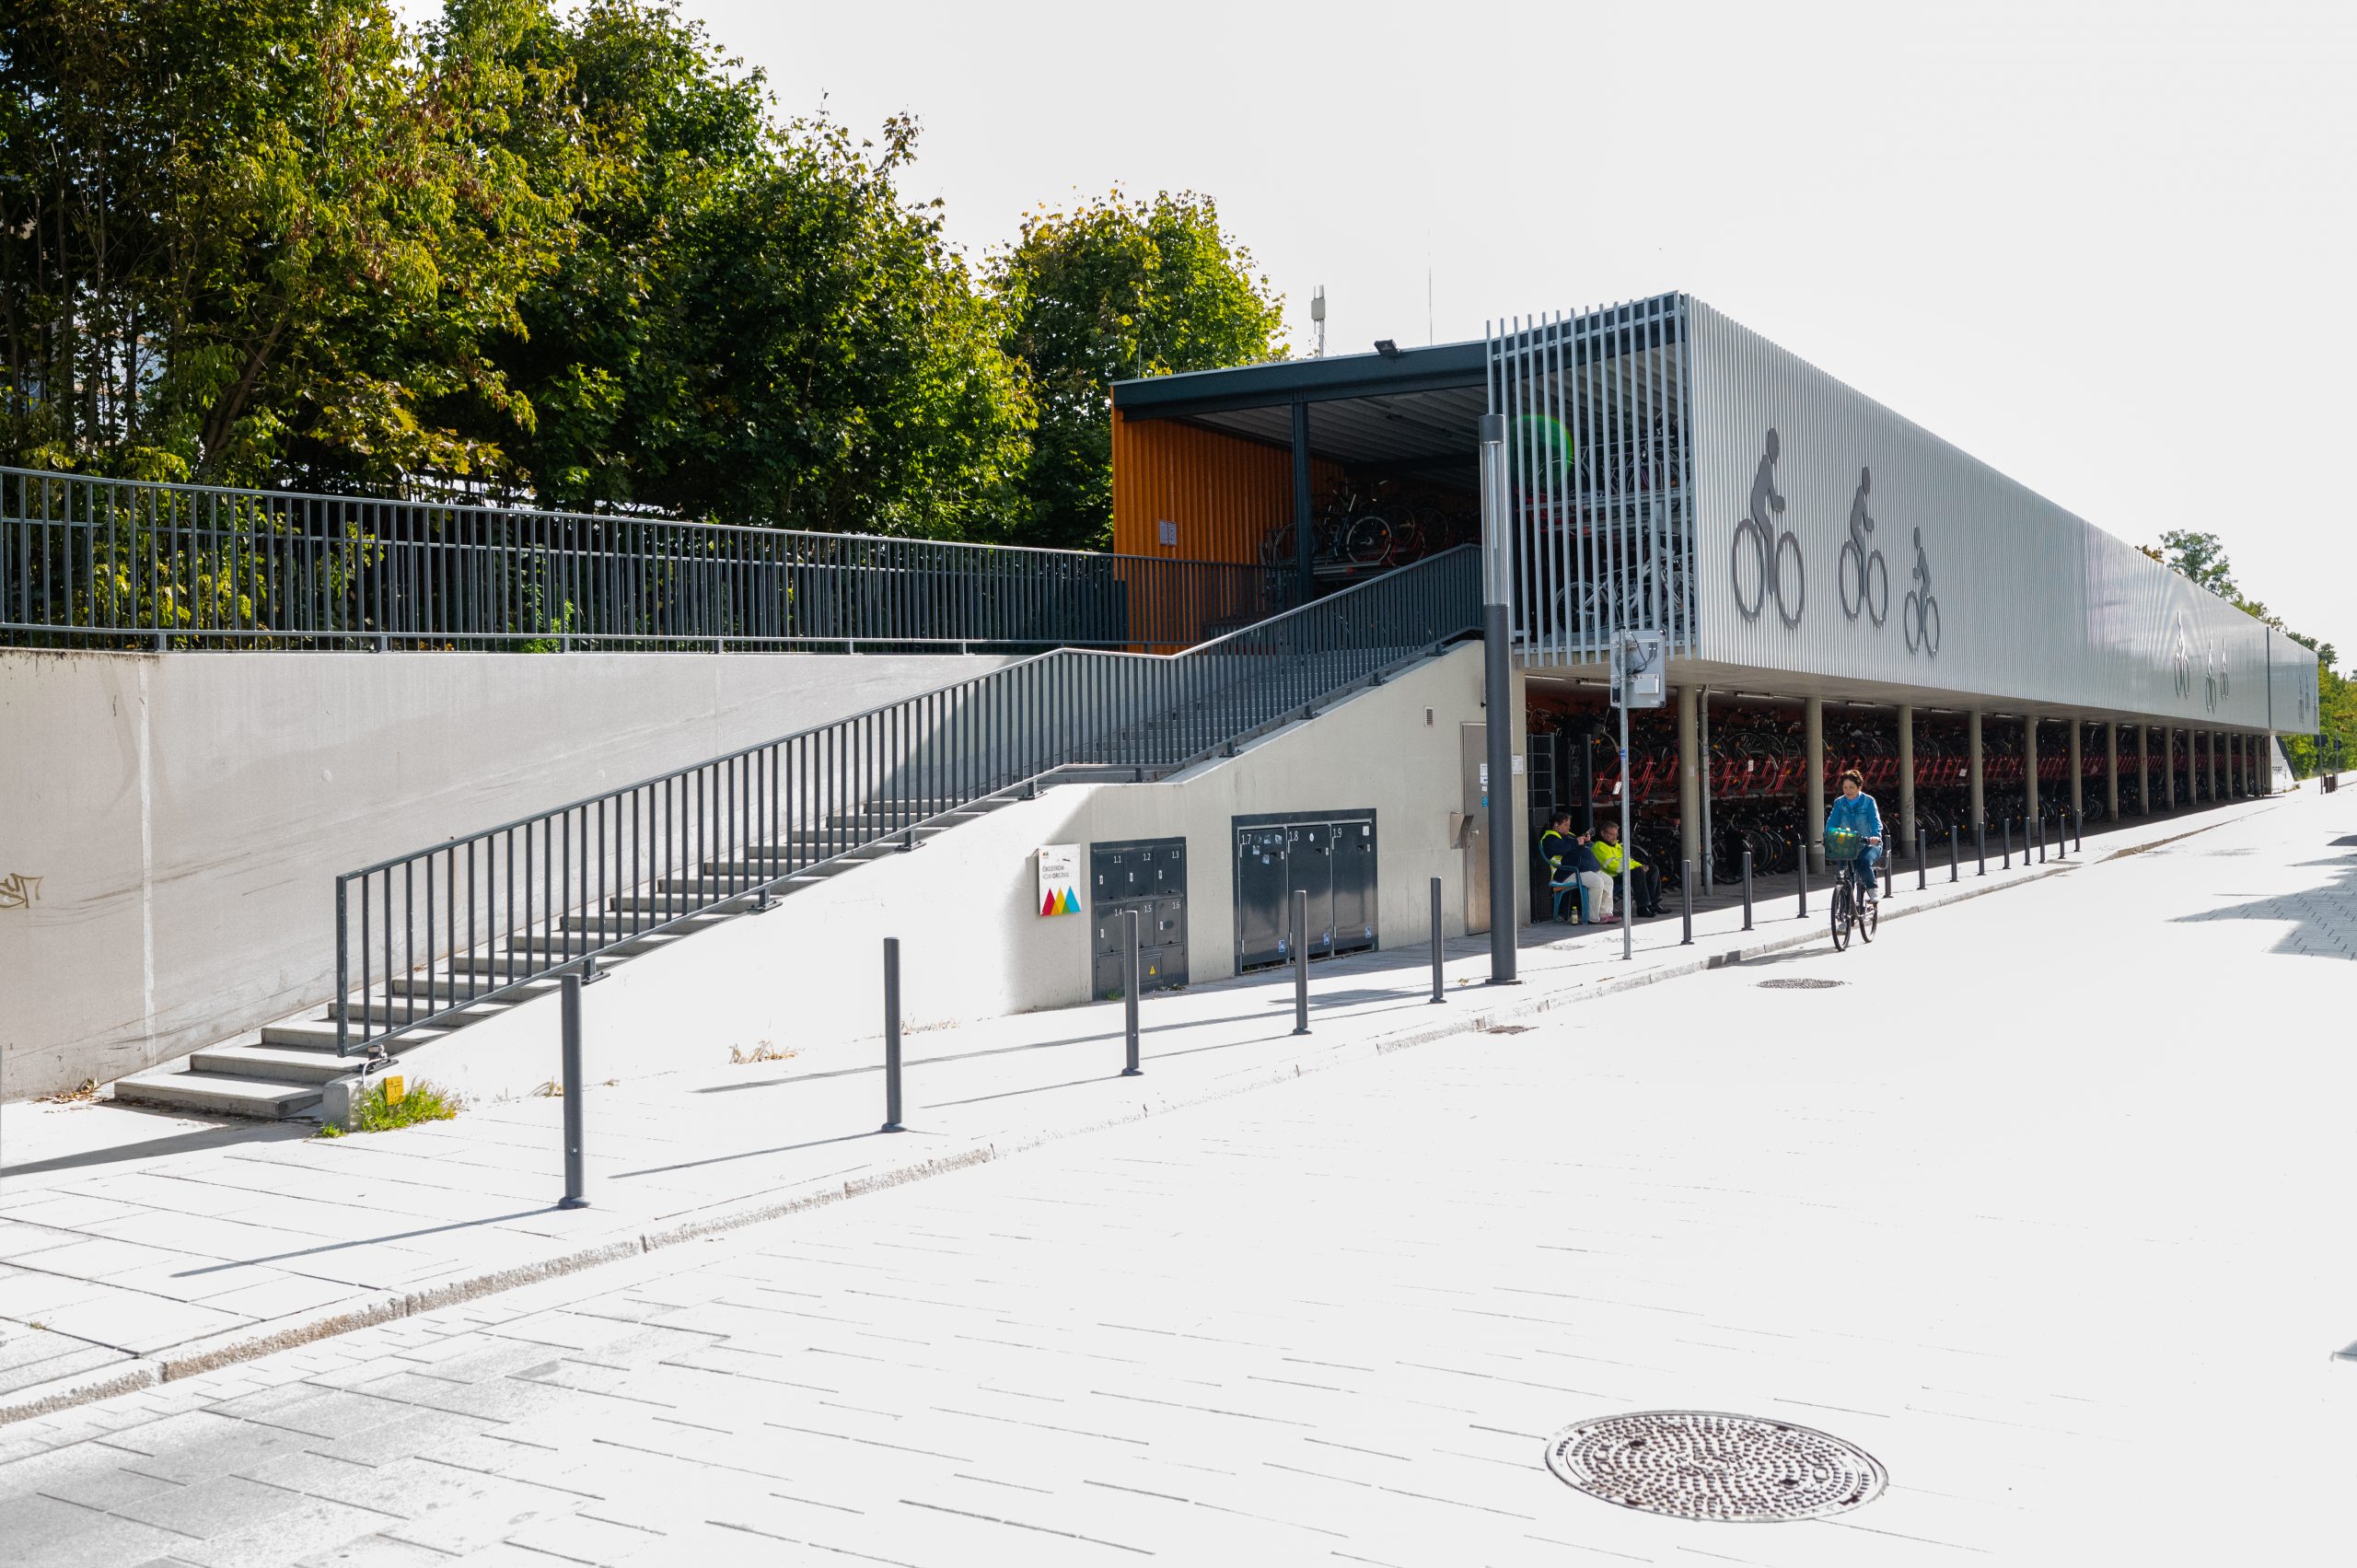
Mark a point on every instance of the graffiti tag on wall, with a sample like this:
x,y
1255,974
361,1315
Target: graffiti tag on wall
x,y
18,890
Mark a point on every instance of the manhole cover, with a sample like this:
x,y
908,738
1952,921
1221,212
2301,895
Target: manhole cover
x,y
1709,1465
1799,982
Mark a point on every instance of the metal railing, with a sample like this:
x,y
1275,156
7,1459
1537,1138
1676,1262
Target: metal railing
x,y
121,564
422,937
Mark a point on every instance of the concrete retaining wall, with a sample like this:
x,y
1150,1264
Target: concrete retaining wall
x,y
806,976
171,825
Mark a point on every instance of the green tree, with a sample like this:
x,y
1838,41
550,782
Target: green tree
x,y
1119,288
241,237
752,323
2200,557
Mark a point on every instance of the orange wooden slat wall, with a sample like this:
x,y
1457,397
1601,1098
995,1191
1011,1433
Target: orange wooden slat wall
x,y
1224,494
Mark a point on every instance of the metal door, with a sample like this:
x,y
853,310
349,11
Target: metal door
x,y
1472,756
1354,885
1310,869
1261,888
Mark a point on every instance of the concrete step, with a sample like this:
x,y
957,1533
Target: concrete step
x,y
218,1094
321,1037
658,904
630,932
401,1010
446,989
273,1063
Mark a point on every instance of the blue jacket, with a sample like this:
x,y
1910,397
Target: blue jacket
x,y
1861,817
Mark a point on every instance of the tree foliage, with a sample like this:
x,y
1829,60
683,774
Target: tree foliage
x,y
1119,288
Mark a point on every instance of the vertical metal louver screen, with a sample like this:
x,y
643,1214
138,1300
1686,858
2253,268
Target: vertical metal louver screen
x,y
1598,476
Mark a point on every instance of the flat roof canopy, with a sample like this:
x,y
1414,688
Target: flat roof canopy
x,y
1415,411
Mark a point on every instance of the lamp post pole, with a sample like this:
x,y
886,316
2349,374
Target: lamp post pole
x,y
1497,688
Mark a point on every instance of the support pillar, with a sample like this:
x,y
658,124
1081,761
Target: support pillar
x,y
1813,744
1907,777
2078,768
2029,772
1689,780
1973,781
1703,867
1305,525
2111,767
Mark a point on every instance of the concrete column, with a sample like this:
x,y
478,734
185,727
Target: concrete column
x,y
1907,778
2029,774
1813,738
1689,780
1972,766
2168,768
2078,767
2111,767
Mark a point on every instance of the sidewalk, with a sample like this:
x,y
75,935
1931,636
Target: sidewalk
x,y
136,1247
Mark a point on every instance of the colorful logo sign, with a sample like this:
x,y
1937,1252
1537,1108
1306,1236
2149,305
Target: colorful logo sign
x,y
1059,878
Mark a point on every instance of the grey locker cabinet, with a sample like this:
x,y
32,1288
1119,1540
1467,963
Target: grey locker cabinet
x,y
1330,856
1353,863
1150,877
1260,913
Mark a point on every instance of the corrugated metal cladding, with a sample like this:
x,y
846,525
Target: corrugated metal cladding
x,y
1223,494
1598,477
1836,539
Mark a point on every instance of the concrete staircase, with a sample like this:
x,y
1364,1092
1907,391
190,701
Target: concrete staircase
x,y
281,1069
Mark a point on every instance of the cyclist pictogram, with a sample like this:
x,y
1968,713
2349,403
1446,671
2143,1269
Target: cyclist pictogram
x,y
2181,655
2210,679
1770,570
1921,613
1865,580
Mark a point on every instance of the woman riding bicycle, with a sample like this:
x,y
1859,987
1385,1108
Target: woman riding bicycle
x,y
1857,814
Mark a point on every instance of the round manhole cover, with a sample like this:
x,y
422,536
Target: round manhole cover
x,y
1799,982
1709,1465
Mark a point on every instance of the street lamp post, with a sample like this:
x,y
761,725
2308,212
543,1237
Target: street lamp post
x,y
1497,688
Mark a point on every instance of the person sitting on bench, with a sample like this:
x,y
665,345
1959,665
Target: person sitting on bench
x,y
1644,882
1571,870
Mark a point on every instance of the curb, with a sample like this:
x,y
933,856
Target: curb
x,y
246,1344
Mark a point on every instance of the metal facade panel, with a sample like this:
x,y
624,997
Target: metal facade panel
x,y
1972,583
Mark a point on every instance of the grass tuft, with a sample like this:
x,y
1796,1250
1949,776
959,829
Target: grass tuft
x,y
374,1113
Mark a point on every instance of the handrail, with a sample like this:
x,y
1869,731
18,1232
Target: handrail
x,y
558,888
88,561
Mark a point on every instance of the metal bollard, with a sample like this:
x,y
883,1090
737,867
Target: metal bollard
x,y
2008,865
1129,968
1686,895
1438,994
1980,845
1923,865
1747,890
892,1036
569,1069
2078,832
1801,871
1301,960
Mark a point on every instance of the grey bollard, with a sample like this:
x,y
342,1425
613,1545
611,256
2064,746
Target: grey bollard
x,y
1686,895
1438,994
1952,868
1747,890
1130,966
569,1069
892,1036
1980,846
1301,960
2078,832
2008,864
1801,873
1922,870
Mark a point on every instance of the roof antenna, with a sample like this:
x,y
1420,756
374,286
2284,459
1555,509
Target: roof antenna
x,y
1318,323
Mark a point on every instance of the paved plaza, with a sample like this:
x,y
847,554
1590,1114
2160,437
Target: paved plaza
x,y
2039,1205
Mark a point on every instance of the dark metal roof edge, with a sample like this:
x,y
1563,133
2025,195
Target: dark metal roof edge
x,y
1305,380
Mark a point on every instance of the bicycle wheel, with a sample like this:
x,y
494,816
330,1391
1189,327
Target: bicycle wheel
x,y
1852,580
1749,568
1795,574
1369,539
1841,917
1932,628
1870,914
1877,589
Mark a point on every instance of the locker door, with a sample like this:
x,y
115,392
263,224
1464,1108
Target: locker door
x,y
1311,869
1354,886
1261,861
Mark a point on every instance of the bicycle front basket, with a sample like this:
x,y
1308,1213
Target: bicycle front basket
x,y
1842,845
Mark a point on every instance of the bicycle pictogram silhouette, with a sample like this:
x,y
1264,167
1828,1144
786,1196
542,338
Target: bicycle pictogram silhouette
x,y
2182,655
1921,613
1769,571
1865,580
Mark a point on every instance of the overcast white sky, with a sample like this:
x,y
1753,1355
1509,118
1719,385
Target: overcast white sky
x,y
2103,247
